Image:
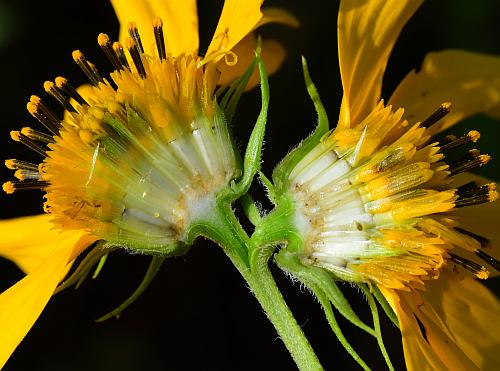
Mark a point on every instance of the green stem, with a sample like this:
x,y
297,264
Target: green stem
x,y
278,312
224,229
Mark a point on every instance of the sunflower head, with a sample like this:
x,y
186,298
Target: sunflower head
x,y
373,203
137,158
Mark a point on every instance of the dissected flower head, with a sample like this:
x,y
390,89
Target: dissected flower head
x,y
371,201
375,202
140,156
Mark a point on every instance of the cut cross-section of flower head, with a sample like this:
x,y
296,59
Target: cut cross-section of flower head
x,y
138,157
378,201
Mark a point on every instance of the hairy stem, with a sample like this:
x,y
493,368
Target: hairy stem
x,y
225,230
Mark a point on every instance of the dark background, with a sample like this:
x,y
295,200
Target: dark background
x,y
198,313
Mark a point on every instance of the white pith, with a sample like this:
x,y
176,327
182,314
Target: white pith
x,y
329,212
200,164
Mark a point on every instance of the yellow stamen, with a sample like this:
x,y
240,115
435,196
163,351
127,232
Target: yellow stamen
x,y
474,135
61,82
32,108
157,22
18,174
103,39
15,135
492,195
77,56
10,164
483,274
484,159
48,86
8,187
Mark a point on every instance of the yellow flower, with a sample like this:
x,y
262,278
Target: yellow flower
x,y
378,201
136,158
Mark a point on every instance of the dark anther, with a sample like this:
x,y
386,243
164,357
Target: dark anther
x,y
476,200
118,48
455,142
14,164
37,135
473,159
52,89
66,87
134,34
488,259
467,264
43,114
19,137
88,68
442,111
28,185
472,189
136,57
467,187
107,48
160,40
483,241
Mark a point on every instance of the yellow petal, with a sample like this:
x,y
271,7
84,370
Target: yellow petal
x,y
457,315
472,316
437,334
470,81
238,19
28,241
180,22
22,303
273,53
367,31
278,15
419,355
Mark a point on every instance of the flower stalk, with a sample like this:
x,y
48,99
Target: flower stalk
x,y
251,255
224,229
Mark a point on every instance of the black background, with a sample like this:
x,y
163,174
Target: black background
x,y
198,313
